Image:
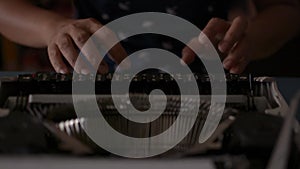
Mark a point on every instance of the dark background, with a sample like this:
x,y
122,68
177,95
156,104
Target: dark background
x,y
13,57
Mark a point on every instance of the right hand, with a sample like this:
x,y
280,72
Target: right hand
x,y
229,39
70,37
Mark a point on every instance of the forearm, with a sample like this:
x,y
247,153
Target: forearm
x,y
24,23
272,28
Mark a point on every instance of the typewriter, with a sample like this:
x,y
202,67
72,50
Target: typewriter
x,y
37,116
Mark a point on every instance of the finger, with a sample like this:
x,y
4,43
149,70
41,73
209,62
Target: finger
x,y
91,24
234,34
107,38
215,30
91,57
239,68
237,59
79,36
89,54
231,60
67,49
103,68
188,55
55,58
118,53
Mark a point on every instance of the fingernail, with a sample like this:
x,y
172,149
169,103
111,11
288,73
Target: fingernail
x,y
63,71
235,70
219,37
223,46
183,54
227,64
182,62
84,71
202,38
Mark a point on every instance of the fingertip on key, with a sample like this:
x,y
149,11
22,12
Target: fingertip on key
x,y
187,57
223,47
84,71
182,62
63,71
227,64
235,70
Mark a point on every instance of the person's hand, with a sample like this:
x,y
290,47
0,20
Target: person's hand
x,y
229,39
70,37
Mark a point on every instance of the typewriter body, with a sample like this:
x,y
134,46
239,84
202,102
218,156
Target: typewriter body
x,y
37,116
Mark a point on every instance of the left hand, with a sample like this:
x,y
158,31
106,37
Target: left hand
x,y
229,39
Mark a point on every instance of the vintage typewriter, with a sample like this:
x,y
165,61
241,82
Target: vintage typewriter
x,y
37,117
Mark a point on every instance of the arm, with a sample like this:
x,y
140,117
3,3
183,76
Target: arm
x,y
29,25
276,22
24,23
251,34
